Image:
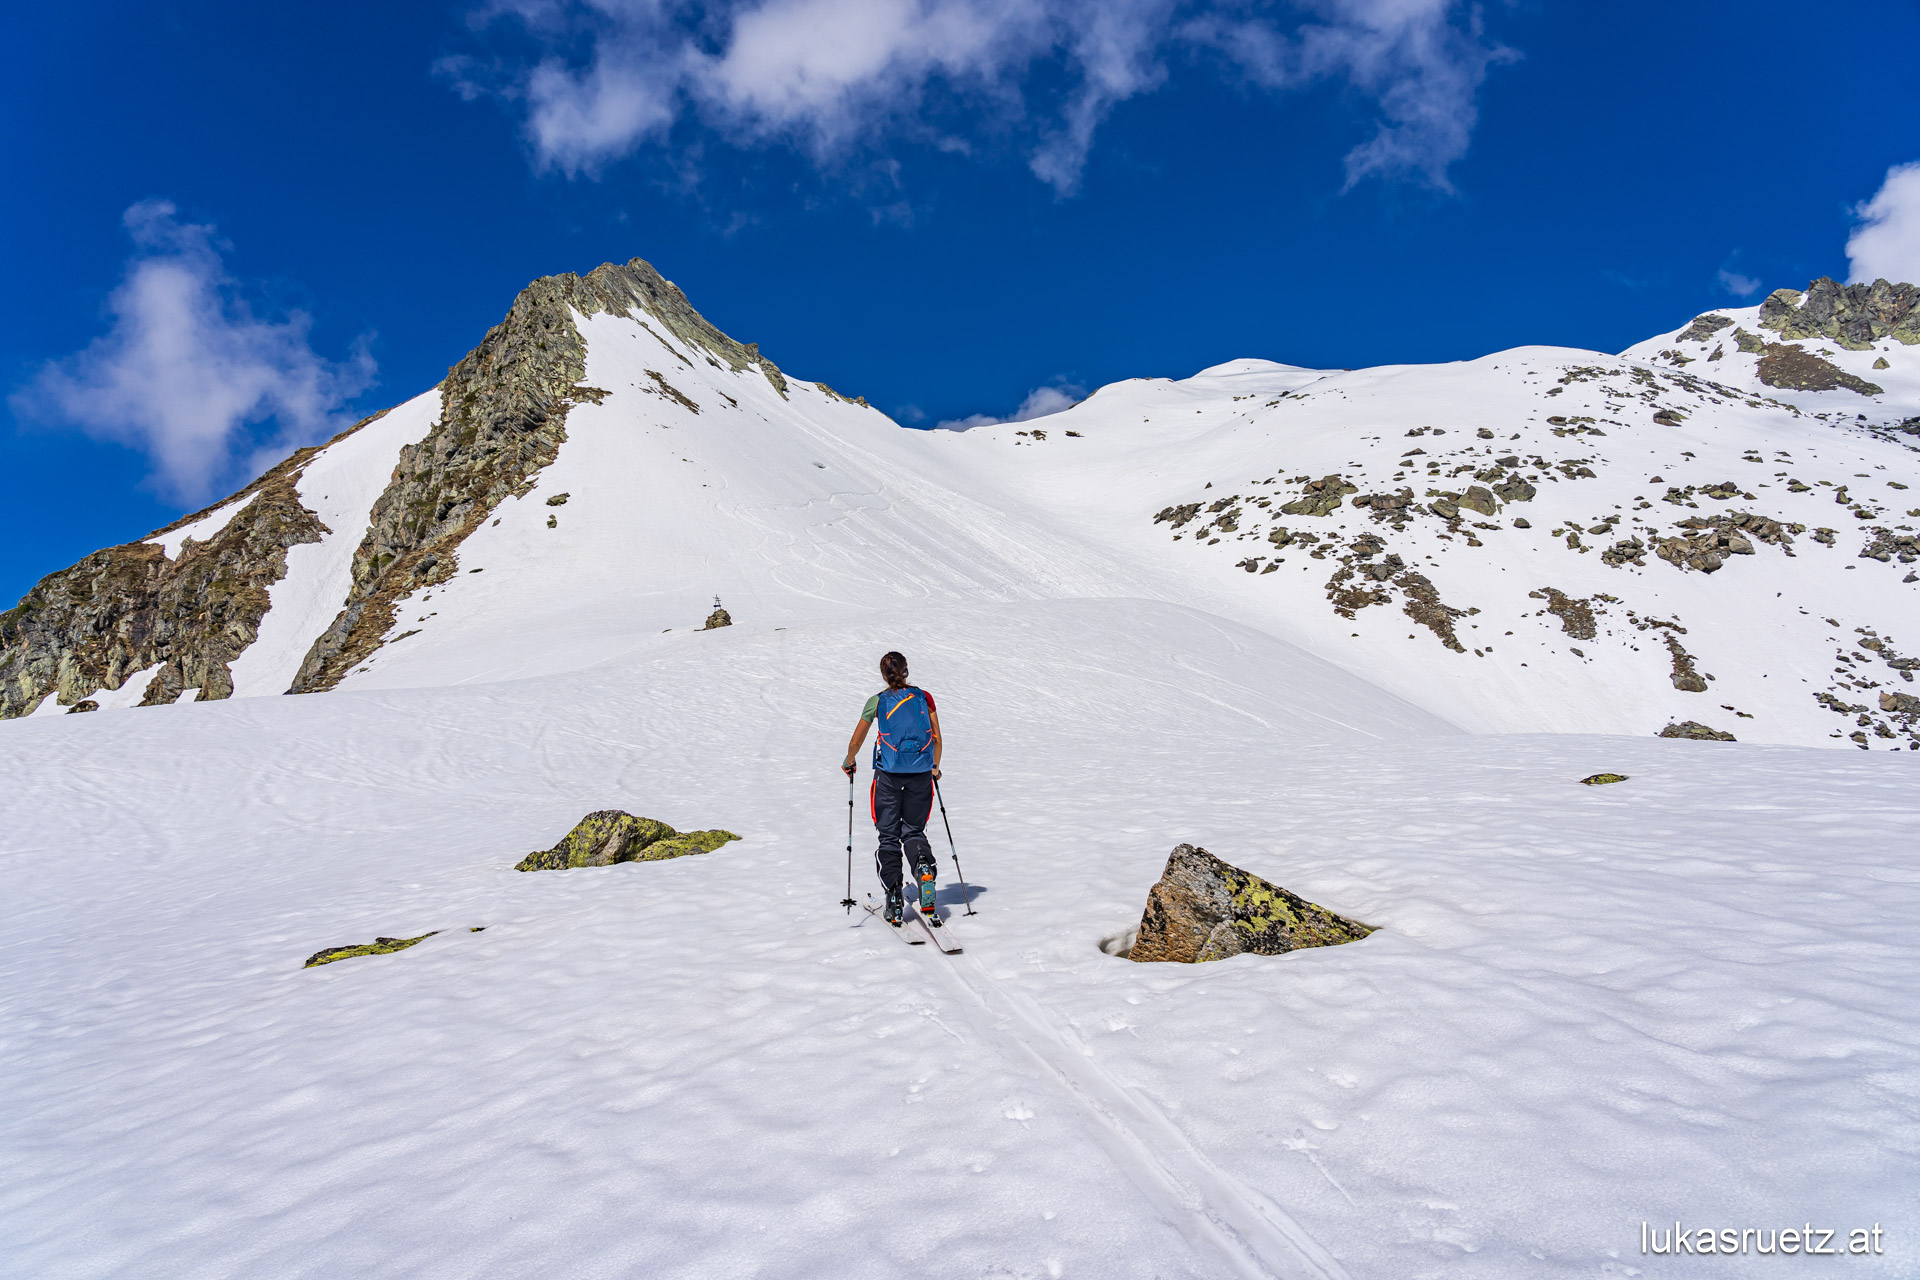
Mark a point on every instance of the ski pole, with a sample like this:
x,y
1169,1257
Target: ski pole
x,y
847,901
950,845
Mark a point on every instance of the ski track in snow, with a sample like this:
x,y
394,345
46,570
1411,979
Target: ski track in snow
x,y
1213,1210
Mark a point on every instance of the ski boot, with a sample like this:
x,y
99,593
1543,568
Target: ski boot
x,y
926,873
896,908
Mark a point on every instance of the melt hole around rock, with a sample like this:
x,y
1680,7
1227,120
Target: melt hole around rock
x,y
1121,944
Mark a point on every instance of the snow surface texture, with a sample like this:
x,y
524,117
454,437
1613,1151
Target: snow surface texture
x,y
1684,996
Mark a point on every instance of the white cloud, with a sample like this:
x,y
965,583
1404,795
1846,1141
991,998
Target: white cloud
x,y
605,77
1886,244
1040,403
1737,284
186,373
1421,67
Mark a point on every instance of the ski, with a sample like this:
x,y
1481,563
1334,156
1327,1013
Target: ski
x,y
875,913
933,929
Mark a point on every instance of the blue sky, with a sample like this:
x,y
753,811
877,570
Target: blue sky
x,y
233,228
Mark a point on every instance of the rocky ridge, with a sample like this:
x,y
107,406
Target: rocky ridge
x,y
127,610
1387,528
503,418
120,613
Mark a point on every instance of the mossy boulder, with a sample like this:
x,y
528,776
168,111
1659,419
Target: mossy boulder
x,y
608,836
1322,498
1695,730
1205,909
378,947
1602,779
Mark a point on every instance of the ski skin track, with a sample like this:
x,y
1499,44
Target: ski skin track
x,y
1216,1212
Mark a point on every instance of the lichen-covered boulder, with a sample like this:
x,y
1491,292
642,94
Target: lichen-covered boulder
x,y
378,947
608,836
718,618
1205,909
1695,730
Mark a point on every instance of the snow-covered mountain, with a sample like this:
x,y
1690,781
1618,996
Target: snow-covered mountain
x,y
1360,633
1542,539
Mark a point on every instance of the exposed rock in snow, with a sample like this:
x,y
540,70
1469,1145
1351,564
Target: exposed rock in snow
x,y
1694,729
1205,909
378,947
122,610
607,836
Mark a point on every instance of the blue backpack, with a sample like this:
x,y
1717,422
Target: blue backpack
x,y
905,729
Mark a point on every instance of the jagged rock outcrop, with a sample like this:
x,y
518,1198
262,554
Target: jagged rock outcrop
x,y
607,836
502,419
503,413
718,618
1854,315
1205,909
122,610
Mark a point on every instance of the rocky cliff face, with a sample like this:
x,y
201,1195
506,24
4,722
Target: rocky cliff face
x,y
1853,315
503,418
121,611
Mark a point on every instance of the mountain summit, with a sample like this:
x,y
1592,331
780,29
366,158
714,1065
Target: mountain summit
x,y
1706,534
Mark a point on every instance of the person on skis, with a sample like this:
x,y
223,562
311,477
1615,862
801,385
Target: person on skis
x,y
906,763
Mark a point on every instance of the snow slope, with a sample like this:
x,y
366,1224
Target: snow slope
x,y
691,480
1684,996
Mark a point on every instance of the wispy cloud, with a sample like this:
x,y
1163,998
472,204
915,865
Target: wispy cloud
x,y
1041,402
187,373
1886,243
595,80
1421,62
1737,283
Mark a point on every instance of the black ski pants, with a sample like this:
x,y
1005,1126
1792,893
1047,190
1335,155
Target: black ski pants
x,y
902,803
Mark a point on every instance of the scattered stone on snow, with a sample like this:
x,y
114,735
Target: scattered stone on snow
x,y
1323,497
378,947
558,499
1602,779
1697,731
1685,677
1576,616
1205,909
607,836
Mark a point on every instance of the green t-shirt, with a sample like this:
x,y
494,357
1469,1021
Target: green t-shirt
x,y
872,708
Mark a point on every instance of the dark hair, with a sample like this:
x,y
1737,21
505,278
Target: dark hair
x,y
893,669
